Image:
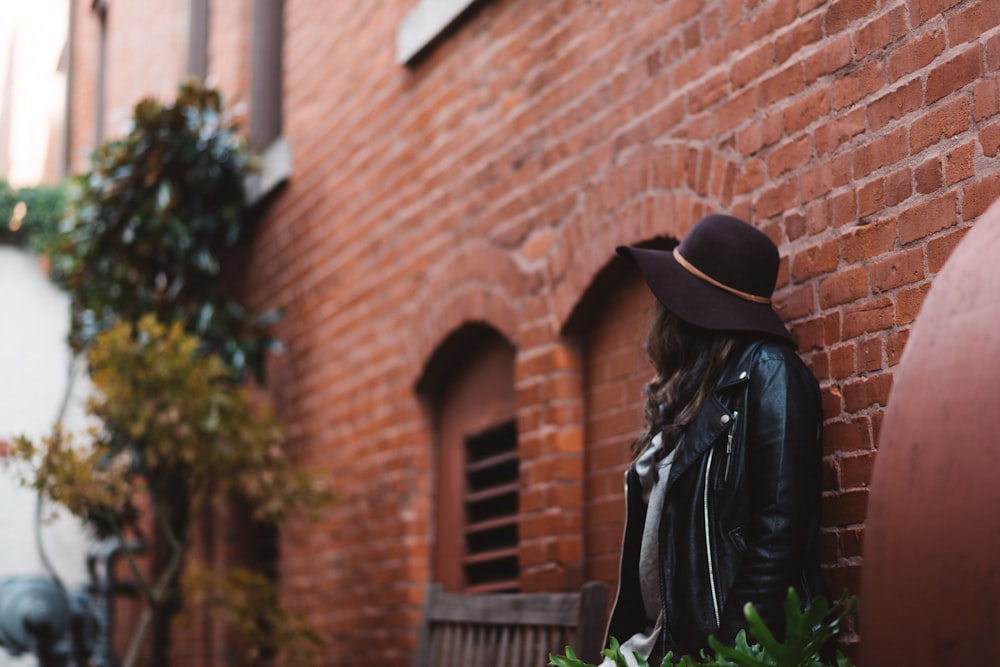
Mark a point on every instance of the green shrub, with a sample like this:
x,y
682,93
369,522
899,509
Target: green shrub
x,y
807,632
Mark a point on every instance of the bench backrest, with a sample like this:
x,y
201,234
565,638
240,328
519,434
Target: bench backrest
x,y
510,629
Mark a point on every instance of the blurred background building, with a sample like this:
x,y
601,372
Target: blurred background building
x,y
443,186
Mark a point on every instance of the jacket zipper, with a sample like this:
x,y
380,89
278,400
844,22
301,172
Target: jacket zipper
x,y
729,448
708,543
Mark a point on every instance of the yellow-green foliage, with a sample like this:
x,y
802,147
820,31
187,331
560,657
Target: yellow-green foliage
x,y
166,408
174,427
248,602
174,409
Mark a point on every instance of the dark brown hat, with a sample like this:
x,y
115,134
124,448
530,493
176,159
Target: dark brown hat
x,y
720,277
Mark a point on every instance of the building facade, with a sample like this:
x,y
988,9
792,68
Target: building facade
x,y
444,185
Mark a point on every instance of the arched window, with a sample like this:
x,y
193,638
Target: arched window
x,y
470,385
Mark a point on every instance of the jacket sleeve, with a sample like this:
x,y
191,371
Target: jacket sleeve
x,y
783,464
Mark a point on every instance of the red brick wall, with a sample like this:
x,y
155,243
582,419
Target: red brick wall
x,y
491,183
616,370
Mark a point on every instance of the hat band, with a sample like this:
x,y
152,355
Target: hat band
x,y
693,270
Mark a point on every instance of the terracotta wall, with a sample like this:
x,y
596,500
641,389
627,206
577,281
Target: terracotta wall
x,y
490,183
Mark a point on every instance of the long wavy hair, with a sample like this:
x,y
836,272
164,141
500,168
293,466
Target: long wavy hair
x,y
687,359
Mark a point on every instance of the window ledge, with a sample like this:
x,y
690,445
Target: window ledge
x,y
423,25
275,169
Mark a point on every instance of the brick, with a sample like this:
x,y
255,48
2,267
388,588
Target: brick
x,y
924,10
989,139
884,150
954,74
856,470
847,436
986,99
816,333
895,345
879,33
928,176
795,225
796,303
789,156
865,317
944,121
818,216
862,82
782,84
927,218
751,176
803,112
845,578
830,480
835,54
775,200
960,163
708,92
978,195
832,398
908,303
870,355
752,65
850,540
772,17
972,21
866,392
845,286
866,242
826,176
843,361
916,53
815,261
844,12
845,508
759,134
898,269
801,35
895,104
871,197
898,186
832,135
939,249
844,207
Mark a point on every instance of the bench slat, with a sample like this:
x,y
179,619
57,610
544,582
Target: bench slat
x,y
509,630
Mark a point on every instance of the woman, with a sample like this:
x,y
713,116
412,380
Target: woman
x,y
723,499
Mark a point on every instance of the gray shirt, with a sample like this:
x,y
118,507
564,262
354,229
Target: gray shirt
x,y
653,479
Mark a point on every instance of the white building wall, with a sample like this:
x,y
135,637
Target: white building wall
x,y
34,359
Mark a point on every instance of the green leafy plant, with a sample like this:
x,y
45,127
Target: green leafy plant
x,y
159,225
807,632
152,254
32,216
176,430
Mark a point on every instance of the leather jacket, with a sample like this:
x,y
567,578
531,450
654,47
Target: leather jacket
x,y
741,514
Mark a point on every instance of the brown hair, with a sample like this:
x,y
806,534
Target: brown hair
x,y
687,360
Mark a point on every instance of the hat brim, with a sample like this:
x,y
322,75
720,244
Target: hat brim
x,y
698,302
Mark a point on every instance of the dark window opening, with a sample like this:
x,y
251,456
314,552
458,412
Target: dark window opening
x,y
491,508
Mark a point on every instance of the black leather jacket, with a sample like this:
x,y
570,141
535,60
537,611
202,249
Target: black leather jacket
x,y
741,517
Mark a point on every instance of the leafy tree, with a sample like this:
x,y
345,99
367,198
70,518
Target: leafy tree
x,y
151,258
159,225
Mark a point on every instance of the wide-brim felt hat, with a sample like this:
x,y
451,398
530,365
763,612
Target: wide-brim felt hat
x,y
720,277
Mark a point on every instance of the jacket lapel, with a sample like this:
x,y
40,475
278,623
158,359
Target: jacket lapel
x,y
714,417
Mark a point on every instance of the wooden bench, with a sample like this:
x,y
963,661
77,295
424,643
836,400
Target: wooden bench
x,y
510,629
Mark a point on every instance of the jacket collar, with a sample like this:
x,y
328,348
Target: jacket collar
x,y
715,416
